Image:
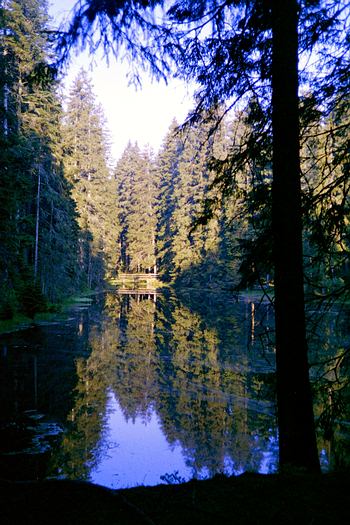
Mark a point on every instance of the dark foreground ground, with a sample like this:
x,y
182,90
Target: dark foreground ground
x,y
246,499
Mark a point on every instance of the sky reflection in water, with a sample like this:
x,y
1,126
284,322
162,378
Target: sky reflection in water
x,y
136,452
145,392
182,422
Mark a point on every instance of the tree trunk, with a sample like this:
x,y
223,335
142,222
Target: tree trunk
x,y
37,220
297,440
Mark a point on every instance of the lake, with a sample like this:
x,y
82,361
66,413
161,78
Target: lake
x,y
141,389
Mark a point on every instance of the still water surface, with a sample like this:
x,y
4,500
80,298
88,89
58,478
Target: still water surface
x,y
142,389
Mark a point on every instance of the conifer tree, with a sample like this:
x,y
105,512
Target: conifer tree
x,y
136,192
93,188
189,255
167,176
38,223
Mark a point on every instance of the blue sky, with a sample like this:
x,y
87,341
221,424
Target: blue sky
x,y
142,115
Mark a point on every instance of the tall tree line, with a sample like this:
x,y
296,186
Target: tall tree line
x,y
43,255
159,200
38,217
168,197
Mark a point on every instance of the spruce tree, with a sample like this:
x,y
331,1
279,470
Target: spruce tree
x,y
189,255
136,192
38,223
167,176
93,188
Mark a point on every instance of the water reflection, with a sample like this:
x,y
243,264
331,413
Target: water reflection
x,y
144,389
162,391
136,450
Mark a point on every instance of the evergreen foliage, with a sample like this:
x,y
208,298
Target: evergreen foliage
x,y
93,188
38,220
58,223
187,255
136,190
227,48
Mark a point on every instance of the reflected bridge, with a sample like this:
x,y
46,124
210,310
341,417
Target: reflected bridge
x,y
137,281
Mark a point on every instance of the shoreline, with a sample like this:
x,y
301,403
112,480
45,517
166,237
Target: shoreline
x,y
246,499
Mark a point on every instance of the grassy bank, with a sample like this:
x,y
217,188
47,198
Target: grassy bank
x,y
54,311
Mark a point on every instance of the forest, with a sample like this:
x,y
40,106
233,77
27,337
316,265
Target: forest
x,y
250,193
67,211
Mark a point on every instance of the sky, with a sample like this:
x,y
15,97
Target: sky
x,y
143,115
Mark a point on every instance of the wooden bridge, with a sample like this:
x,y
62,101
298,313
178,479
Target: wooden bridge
x,y
138,279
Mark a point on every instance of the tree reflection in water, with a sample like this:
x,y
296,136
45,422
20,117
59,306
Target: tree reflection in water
x,y
174,389
150,388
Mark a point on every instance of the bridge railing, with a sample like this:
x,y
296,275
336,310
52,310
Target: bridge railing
x,y
137,276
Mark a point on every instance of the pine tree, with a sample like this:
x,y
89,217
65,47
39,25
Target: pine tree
x,y
167,176
188,255
37,221
93,188
137,212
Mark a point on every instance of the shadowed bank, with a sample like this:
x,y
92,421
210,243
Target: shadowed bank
x,y
246,499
